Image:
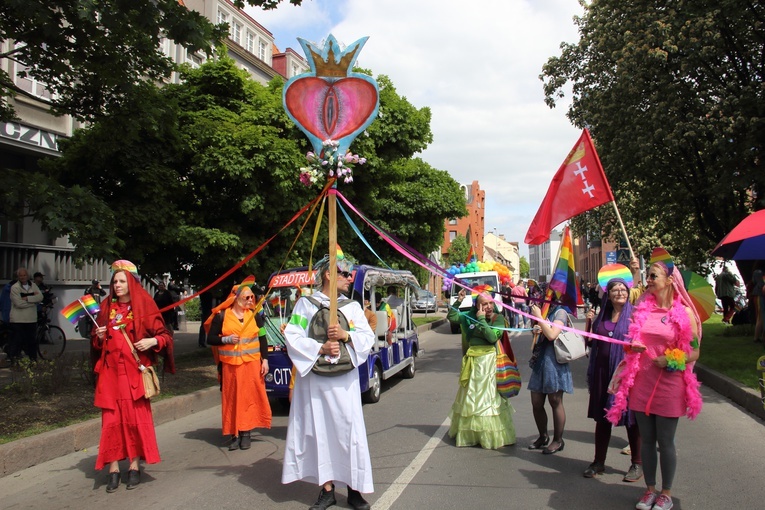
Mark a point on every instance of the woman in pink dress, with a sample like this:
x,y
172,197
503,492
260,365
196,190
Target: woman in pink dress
x,y
658,380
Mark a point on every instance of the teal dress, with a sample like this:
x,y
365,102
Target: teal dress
x,y
479,415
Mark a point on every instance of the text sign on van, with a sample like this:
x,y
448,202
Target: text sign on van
x,y
294,279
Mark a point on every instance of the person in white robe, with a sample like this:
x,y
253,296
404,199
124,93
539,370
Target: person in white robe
x,y
326,435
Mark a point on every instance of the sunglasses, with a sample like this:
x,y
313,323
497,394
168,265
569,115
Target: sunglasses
x,y
345,274
653,276
249,298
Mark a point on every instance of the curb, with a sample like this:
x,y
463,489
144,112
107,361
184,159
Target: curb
x,y
33,450
731,389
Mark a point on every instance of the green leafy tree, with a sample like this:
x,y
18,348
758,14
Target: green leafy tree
x,y
91,53
673,97
201,173
523,270
458,251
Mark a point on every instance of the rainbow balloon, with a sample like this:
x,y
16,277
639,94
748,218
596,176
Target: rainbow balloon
x,y
74,311
611,271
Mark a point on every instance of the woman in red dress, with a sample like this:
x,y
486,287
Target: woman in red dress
x,y
127,427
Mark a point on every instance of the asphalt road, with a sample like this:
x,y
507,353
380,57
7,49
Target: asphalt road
x,y
720,458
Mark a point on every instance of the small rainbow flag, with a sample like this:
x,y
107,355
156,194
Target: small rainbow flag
x,y
479,289
91,306
340,255
659,254
74,311
563,281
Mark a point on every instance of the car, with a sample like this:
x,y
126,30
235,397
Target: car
x,y
385,360
424,301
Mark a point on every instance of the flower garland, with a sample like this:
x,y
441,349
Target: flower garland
x,y
684,335
329,164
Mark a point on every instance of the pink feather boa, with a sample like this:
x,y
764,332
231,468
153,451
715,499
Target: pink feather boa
x,y
684,336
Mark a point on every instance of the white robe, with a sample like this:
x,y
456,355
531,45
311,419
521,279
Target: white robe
x,y
326,436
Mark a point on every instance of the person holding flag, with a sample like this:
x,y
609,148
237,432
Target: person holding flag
x,y
550,379
129,321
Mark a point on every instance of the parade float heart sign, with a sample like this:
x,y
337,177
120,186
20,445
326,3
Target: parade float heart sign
x,y
331,102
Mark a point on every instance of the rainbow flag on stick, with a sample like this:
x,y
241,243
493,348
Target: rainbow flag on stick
x,y
91,305
563,282
74,311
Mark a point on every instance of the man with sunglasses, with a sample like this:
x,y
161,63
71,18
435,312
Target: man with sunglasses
x,y
326,436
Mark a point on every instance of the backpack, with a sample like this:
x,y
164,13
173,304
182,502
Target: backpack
x,y
317,329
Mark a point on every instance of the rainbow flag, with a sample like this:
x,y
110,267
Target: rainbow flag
x,y
563,281
248,282
91,305
74,311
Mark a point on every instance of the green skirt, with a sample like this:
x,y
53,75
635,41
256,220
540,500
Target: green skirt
x,y
479,415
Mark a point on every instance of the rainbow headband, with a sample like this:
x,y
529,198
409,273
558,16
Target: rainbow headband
x,y
613,271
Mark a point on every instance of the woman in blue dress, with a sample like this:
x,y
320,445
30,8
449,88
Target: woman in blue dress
x,y
549,380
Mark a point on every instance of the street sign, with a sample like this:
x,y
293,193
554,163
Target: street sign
x,y
610,257
623,257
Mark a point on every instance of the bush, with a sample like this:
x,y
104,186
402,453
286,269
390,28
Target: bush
x,y
193,310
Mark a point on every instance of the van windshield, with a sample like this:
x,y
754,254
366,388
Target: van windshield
x,y
474,281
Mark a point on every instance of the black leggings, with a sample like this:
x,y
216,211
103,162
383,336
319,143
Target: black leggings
x,y
657,429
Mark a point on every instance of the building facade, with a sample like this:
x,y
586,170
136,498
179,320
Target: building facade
x,y
498,249
34,136
542,257
472,225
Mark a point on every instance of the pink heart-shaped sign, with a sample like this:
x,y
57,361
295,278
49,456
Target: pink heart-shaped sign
x,y
330,110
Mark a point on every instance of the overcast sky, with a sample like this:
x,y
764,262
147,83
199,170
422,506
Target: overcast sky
x,y
476,65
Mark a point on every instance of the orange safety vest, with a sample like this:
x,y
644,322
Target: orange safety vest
x,y
236,354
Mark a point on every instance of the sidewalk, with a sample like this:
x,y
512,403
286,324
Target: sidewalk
x,y
34,450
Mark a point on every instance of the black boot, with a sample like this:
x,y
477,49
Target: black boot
x,y
245,441
234,445
134,478
326,499
114,482
356,500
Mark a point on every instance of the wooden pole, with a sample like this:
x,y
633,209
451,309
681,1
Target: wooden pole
x,y
332,214
624,230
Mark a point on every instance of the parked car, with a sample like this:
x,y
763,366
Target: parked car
x,y
424,301
384,361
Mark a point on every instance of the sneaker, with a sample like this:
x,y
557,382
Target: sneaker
x,y
326,499
647,501
663,502
594,469
634,474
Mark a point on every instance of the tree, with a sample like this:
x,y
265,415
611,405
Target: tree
x,y
672,94
91,53
458,251
523,270
201,173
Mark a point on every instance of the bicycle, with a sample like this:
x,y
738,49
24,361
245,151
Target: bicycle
x,y
51,340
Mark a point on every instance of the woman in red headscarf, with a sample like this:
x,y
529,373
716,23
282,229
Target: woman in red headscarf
x,y
129,317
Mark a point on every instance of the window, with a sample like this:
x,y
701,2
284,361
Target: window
x,y
295,70
222,16
452,235
452,221
262,50
30,84
193,60
250,42
236,32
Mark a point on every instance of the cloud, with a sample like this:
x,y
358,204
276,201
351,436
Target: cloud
x,y
476,65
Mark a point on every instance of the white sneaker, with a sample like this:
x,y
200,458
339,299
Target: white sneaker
x,y
663,502
647,501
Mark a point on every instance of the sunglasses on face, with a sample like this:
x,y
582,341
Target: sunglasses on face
x,y
249,298
653,276
345,274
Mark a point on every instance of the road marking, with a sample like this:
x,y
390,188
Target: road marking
x,y
399,484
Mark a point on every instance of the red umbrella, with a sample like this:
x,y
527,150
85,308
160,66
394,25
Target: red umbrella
x,y
746,241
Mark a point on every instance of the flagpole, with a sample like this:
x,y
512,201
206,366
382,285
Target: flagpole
x,y
332,214
86,311
547,292
624,230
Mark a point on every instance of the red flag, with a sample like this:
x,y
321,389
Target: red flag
x,y
579,185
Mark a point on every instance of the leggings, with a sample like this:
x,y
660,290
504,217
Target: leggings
x,y
657,429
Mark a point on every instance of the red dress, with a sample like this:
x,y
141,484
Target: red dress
x,y
127,426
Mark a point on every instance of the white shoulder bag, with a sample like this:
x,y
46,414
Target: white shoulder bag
x,y
569,345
